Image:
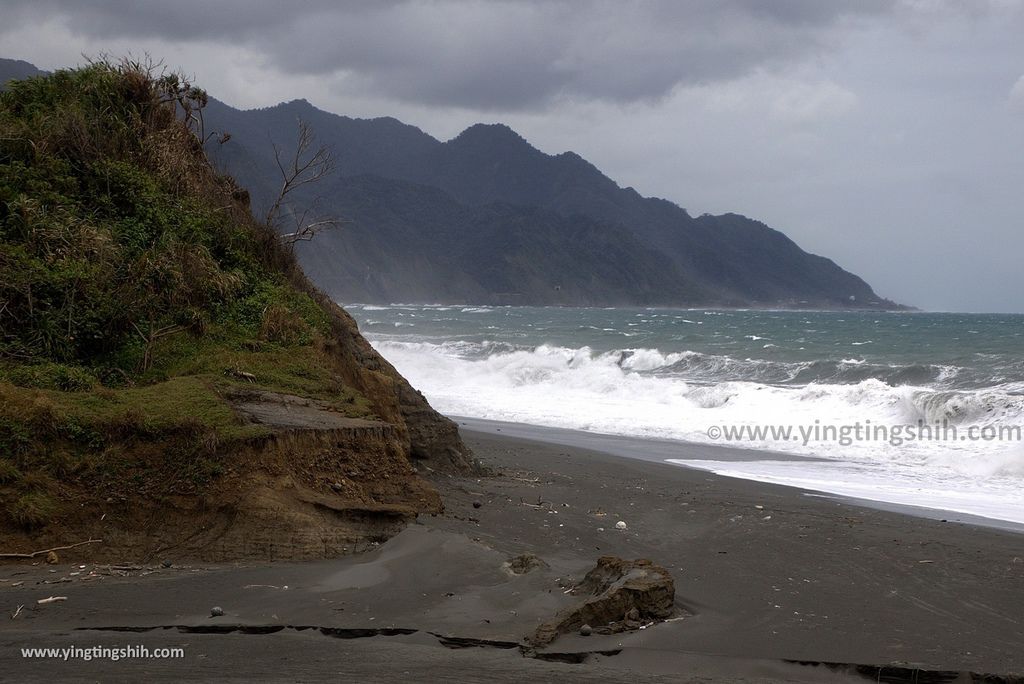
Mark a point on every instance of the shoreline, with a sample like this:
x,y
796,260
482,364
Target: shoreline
x,y
663,450
771,585
767,571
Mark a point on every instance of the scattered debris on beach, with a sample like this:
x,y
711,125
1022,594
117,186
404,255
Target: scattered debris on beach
x,y
51,554
523,563
52,599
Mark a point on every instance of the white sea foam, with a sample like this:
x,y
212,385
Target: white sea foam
x,y
997,498
640,392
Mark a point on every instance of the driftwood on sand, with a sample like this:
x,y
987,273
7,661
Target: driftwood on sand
x,y
46,551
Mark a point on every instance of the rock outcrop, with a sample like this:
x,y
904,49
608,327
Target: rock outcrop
x,y
432,438
620,595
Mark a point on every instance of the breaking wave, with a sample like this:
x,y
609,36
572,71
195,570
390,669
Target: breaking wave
x,y
678,395
673,374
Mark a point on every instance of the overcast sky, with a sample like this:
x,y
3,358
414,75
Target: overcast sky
x,y
885,134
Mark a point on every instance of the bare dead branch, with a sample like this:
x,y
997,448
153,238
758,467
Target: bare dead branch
x,y
309,164
52,599
306,231
45,551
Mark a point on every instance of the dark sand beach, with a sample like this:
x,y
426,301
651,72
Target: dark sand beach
x,y
771,585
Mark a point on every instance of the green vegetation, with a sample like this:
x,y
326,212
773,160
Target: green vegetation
x,y
136,291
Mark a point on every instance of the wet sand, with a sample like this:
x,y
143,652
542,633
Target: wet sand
x,y
766,575
659,451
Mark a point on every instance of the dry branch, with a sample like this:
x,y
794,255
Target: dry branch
x,y
309,164
52,599
45,551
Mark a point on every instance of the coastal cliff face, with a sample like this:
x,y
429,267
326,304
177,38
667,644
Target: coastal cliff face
x,y
170,382
432,438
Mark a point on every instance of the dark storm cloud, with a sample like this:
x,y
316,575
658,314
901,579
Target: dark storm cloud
x,y
517,54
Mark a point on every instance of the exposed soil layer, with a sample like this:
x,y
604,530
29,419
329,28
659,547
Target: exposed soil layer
x,y
319,485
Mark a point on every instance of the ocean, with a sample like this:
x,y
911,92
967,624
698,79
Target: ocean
x,y
921,409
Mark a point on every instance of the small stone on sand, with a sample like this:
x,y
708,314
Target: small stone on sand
x,y
621,525
586,630
216,611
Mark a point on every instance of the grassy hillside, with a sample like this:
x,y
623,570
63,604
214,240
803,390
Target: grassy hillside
x,y
136,294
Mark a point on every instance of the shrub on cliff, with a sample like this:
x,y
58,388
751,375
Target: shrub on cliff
x,y
135,289
115,233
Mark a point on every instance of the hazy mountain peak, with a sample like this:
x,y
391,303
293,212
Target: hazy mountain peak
x,y
493,133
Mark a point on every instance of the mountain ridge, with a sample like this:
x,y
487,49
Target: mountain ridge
x,y
728,260
724,260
